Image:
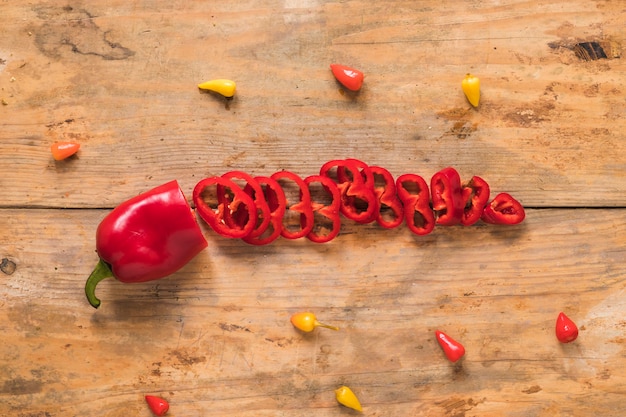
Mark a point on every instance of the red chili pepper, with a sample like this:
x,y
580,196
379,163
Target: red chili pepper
x,y
475,195
503,209
413,192
453,349
218,198
158,405
566,329
145,238
447,199
356,185
302,208
390,212
254,190
275,198
327,222
350,78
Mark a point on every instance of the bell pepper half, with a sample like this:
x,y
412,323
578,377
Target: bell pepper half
x,y
447,198
326,203
414,194
503,209
148,237
218,199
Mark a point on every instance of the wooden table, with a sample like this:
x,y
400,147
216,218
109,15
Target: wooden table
x,y
215,339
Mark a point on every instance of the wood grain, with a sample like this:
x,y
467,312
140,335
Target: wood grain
x,y
215,339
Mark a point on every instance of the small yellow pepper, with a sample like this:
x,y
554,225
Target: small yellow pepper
x,y
346,397
307,322
222,86
471,88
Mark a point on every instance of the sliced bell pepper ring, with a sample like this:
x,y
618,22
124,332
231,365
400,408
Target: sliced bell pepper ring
x,y
356,185
447,198
503,209
327,221
476,195
225,199
390,212
254,190
414,194
302,208
277,204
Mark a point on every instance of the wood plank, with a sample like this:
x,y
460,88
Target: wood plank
x,y
121,79
216,339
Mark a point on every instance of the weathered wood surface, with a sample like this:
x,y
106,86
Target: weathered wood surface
x,y
120,77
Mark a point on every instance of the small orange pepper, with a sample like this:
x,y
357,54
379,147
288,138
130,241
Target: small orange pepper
x,y
347,398
307,322
63,150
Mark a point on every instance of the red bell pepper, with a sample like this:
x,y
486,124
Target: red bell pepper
x,y
503,209
390,212
145,238
218,199
254,190
475,195
291,229
356,186
277,204
414,194
447,198
453,349
327,222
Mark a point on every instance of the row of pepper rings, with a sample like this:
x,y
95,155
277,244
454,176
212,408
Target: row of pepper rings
x,y
260,209
350,78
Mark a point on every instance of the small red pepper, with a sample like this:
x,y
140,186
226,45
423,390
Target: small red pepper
x,y
356,185
566,329
350,78
413,192
277,204
145,238
218,198
453,349
158,405
475,195
327,222
254,190
503,209
390,212
302,208
447,198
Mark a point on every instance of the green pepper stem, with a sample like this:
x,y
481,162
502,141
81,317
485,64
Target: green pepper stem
x,y
100,272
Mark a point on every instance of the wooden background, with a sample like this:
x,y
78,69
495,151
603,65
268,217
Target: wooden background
x,y
215,339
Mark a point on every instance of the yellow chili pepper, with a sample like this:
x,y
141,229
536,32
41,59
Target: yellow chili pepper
x,y
222,86
307,322
346,397
471,88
